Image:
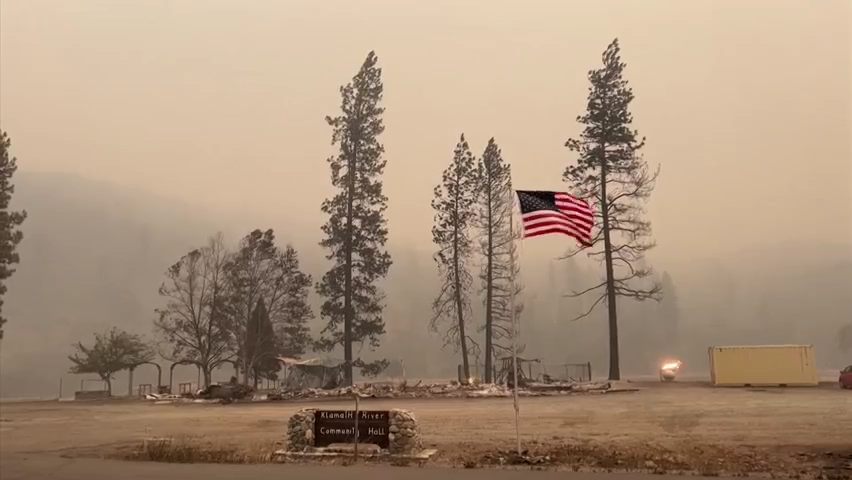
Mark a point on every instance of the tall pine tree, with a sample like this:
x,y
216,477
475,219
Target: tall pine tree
x,y
10,236
455,212
356,231
499,271
611,169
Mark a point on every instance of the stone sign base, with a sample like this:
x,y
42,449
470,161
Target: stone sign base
x,y
404,436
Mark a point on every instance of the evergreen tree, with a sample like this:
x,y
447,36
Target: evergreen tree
x,y
495,201
262,344
356,231
612,170
455,212
10,236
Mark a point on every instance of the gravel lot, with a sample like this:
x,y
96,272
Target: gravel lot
x,y
662,427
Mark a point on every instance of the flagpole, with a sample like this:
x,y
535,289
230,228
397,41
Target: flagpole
x,y
514,318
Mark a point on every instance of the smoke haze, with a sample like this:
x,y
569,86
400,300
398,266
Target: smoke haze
x,y
142,127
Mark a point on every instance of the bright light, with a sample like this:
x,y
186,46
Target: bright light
x,y
668,371
671,365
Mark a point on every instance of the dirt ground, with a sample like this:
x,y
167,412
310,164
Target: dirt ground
x,y
794,431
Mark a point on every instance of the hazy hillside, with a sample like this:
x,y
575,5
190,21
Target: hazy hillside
x,y
93,256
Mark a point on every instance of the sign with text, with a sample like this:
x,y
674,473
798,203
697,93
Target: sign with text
x,y
338,426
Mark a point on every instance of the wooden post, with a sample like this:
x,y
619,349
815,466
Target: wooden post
x,y
60,388
357,401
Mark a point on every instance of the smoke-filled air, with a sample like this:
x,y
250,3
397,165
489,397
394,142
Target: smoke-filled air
x,y
227,184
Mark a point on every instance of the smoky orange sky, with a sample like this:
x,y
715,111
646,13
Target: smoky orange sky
x,y
747,105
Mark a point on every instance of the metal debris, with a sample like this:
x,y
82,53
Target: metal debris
x,y
446,390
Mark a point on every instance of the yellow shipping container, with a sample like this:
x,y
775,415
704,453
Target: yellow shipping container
x,y
764,365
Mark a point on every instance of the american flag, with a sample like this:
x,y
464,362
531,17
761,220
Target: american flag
x,y
545,212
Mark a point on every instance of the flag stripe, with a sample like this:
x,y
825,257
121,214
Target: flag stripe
x,y
548,231
545,212
554,223
581,221
536,219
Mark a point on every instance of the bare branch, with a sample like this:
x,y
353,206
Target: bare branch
x,y
611,172
590,309
579,294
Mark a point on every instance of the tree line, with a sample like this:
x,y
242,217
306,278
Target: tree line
x,y
475,199
473,209
248,304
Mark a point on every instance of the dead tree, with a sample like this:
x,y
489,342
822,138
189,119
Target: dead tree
x,y
498,272
193,320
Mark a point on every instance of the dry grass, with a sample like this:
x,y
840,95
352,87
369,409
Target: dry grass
x,y
197,450
705,460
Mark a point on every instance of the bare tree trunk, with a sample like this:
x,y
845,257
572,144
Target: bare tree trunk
x,y
246,369
130,381
348,313
206,374
489,298
614,361
460,307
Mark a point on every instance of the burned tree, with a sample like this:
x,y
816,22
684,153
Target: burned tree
x,y
498,274
259,273
356,231
611,171
111,352
455,210
194,320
